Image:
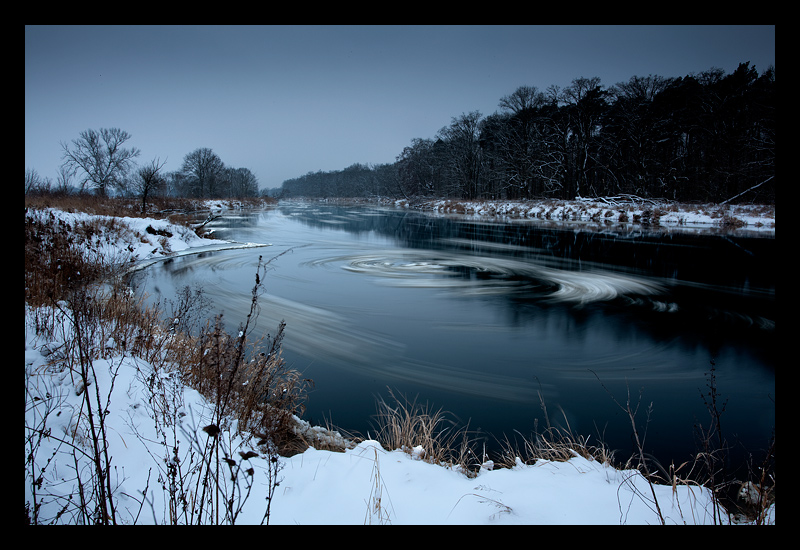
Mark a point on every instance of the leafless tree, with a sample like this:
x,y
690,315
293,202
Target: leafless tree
x,y
203,169
149,180
523,98
241,182
463,157
641,88
585,100
101,157
419,170
34,183
64,180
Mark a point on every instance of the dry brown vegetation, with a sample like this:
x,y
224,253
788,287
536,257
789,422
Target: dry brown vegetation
x,y
175,209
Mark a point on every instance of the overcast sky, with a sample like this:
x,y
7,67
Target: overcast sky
x,y
283,101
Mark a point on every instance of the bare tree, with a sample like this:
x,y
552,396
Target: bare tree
x,y
64,179
204,169
463,161
241,182
641,88
149,180
586,104
101,157
517,142
419,170
523,98
34,183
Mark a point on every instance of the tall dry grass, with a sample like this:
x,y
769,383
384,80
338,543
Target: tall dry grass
x,y
428,434
554,443
156,207
61,257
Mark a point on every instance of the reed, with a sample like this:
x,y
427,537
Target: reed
x,y
427,434
553,443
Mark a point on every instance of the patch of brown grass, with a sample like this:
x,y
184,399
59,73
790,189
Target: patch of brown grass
x,y
428,434
61,256
156,207
558,444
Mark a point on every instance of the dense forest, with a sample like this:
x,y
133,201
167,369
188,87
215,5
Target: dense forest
x,y
704,137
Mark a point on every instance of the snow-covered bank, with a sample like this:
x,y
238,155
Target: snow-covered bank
x,y
148,240
370,485
609,213
362,485
365,484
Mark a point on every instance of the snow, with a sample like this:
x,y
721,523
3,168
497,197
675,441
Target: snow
x,y
622,212
364,484
325,487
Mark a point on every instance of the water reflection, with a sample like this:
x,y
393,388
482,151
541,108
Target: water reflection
x,y
482,318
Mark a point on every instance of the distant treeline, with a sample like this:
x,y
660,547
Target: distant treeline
x,y
97,162
703,137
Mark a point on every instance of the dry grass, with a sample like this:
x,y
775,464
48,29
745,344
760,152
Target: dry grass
x,y
427,434
60,257
157,207
249,380
554,443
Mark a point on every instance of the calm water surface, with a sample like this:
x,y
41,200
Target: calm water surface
x,y
480,317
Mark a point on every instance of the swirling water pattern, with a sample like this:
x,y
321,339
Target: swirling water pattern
x,y
484,319
435,269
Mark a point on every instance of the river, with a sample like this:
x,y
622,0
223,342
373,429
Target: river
x,y
482,318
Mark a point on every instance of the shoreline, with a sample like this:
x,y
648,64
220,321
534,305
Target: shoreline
x,y
599,214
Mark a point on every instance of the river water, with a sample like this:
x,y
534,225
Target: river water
x,y
481,318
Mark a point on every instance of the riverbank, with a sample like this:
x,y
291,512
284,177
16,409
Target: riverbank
x,y
365,484
622,213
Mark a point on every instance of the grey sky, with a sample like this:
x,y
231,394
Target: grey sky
x,y
285,100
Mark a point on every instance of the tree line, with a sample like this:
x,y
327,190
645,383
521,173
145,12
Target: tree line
x,y
702,137
101,162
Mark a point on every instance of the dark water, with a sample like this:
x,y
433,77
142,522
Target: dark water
x,y
479,318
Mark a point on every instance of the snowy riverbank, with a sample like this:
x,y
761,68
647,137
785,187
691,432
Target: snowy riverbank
x,y
614,213
362,485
